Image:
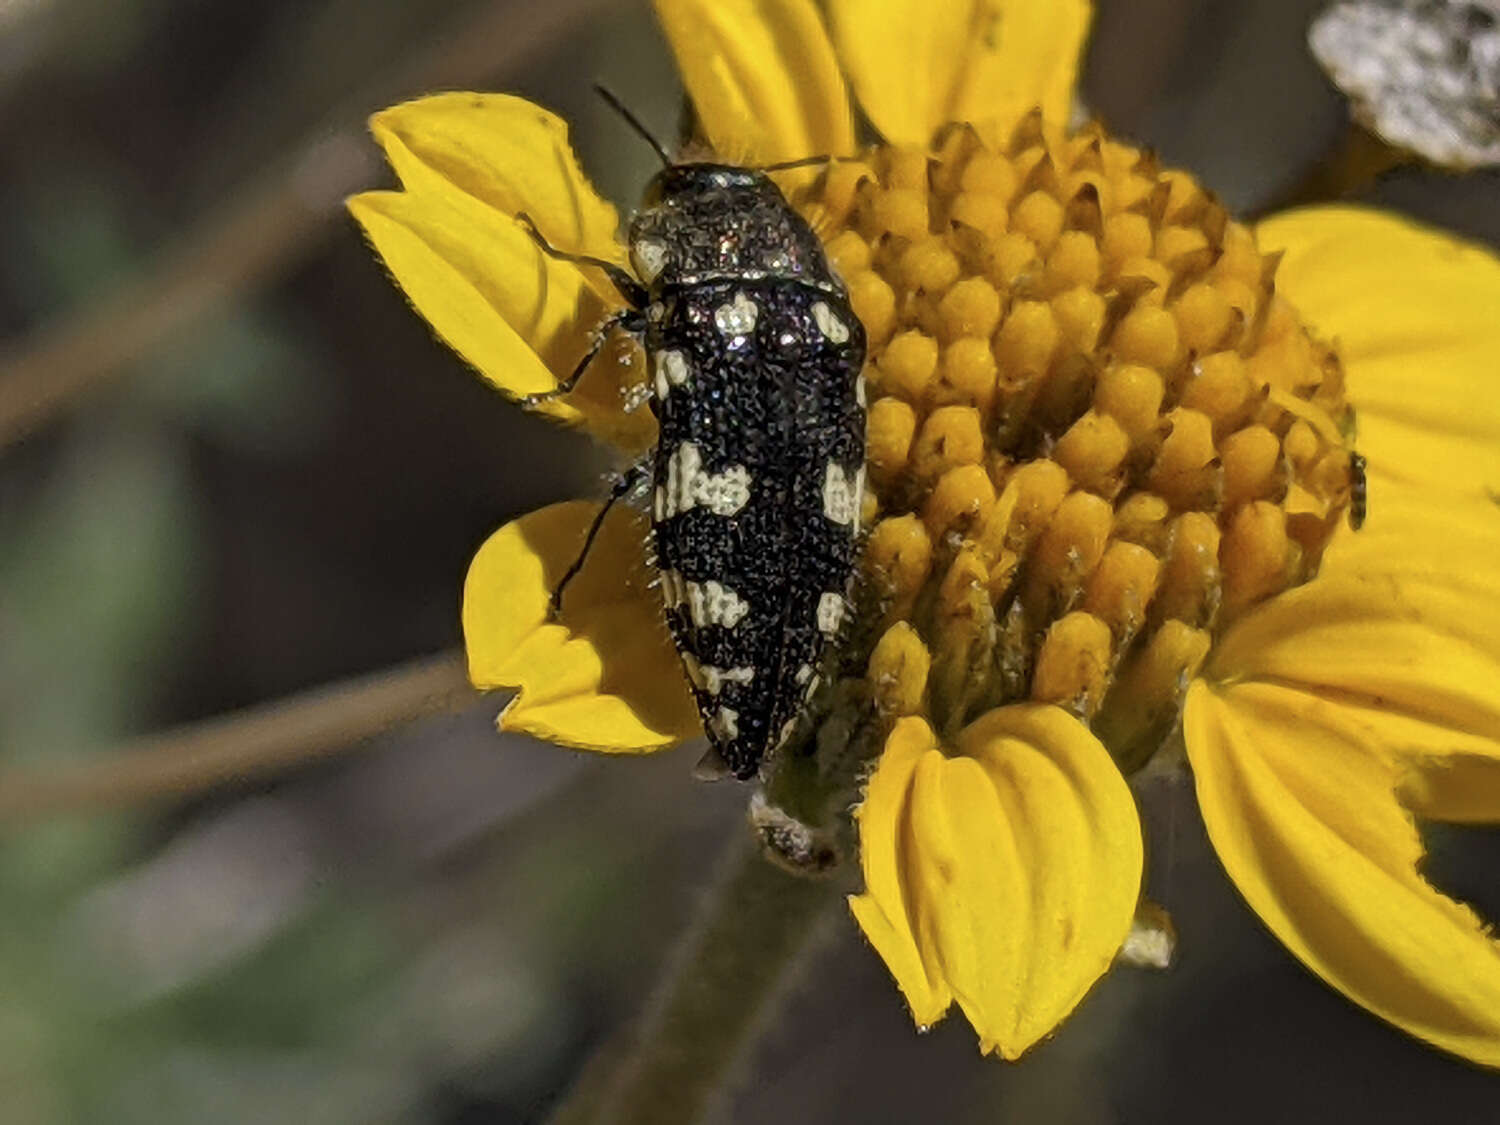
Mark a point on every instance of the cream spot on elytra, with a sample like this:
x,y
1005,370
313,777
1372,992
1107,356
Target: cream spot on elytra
x,y
671,371
840,494
689,485
829,324
830,613
724,724
713,604
736,318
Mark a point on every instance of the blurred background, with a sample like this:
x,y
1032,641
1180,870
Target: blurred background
x,y
274,479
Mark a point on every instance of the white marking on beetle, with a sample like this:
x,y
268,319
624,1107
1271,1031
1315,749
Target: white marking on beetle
x,y
737,318
671,371
840,494
671,588
859,498
714,679
655,310
787,729
688,485
830,613
859,391
804,674
713,604
725,723
829,324
659,504
650,257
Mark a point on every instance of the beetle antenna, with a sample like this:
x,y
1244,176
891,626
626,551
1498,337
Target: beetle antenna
x,y
804,162
634,122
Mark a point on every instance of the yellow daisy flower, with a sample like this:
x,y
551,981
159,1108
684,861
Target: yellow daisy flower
x,y
1111,480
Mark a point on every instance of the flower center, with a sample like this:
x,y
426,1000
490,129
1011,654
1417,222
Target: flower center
x,y
1097,434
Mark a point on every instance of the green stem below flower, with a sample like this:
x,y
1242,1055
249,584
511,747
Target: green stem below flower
x,y
716,994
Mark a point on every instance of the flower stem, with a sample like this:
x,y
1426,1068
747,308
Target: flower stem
x,y
718,992
249,743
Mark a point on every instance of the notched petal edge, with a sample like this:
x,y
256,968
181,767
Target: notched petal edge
x,y
604,676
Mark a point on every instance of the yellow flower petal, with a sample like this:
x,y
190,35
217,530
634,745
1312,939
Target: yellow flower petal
x,y
475,278
1006,877
519,317
505,152
1403,623
917,65
603,677
1412,311
1306,820
883,911
762,76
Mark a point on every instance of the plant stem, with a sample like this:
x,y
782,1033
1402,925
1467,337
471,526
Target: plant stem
x,y
718,992
245,744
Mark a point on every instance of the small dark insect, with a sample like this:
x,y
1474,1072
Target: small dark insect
x,y
1359,491
754,358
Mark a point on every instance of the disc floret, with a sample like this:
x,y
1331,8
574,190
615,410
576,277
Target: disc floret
x,y
1097,434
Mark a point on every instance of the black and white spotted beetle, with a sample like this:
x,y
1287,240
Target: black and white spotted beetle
x,y
753,357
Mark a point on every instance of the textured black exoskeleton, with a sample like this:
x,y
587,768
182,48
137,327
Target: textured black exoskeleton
x,y
753,357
